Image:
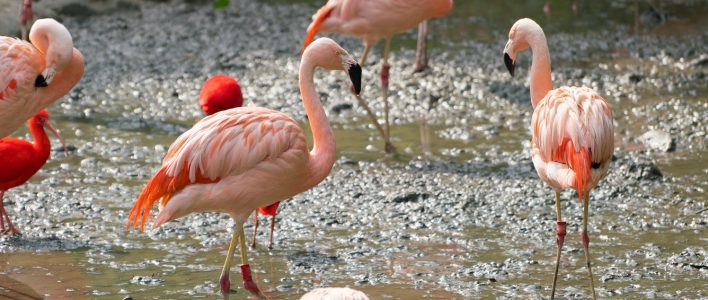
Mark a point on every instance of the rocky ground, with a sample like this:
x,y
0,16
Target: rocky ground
x,y
477,224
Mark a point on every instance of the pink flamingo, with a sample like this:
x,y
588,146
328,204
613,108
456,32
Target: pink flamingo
x,y
26,17
572,131
373,21
33,76
22,159
334,294
222,92
247,157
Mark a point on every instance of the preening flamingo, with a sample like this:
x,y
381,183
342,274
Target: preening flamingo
x,y
243,158
572,131
26,17
33,76
334,294
222,92
373,21
22,159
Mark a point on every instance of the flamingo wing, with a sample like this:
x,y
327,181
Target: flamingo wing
x,y
224,144
19,66
573,133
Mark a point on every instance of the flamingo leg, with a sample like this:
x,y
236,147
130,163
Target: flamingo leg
x,y
384,86
560,238
248,282
364,55
255,228
224,279
421,53
272,228
586,241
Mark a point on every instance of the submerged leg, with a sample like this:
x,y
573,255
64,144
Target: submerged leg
x,y
384,85
255,228
560,238
586,241
248,282
224,279
272,228
421,53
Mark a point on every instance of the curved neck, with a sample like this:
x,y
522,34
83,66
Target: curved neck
x,y
540,73
323,152
63,81
41,140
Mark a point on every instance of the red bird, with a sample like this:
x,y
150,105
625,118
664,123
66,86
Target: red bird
x,y
22,159
222,92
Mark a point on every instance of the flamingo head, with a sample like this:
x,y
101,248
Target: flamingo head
x,y
520,33
220,92
42,119
331,56
53,40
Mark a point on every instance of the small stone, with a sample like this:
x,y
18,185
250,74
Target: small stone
x,y
657,140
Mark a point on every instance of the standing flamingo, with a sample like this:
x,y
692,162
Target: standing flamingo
x,y
334,294
373,21
572,131
222,92
33,76
247,157
22,159
26,17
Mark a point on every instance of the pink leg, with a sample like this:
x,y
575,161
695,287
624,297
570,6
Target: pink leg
x,y
421,54
255,228
560,238
586,242
248,282
272,228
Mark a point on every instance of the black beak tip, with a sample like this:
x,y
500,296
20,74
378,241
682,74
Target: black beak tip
x,y
509,64
40,81
355,76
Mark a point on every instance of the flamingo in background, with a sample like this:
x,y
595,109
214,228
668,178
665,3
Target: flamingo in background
x,y
26,18
334,294
22,159
33,76
222,92
572,131
243,158
373,21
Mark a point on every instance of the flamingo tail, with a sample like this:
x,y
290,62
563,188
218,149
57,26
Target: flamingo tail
x,y
580,161
157,188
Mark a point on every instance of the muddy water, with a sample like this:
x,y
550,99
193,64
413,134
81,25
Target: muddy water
x,y
645,235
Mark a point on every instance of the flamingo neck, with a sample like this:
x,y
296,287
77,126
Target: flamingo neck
x,y
540,73
323,152
41,144
63,80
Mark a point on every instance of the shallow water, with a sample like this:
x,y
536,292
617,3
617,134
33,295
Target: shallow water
x,y
468,245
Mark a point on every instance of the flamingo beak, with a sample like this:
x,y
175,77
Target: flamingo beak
x,y
509,63
355,76
48,76
40,81
48,125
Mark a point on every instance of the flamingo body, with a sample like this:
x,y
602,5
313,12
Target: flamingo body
x,y
33,76
208,167
374,20
572,138
22,159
